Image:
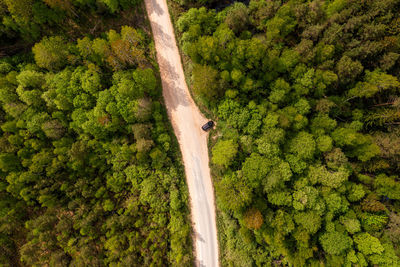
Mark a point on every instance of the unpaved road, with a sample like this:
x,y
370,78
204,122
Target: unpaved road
x,y
187,121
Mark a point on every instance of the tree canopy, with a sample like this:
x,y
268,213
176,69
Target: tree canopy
x,y
90,174
305,156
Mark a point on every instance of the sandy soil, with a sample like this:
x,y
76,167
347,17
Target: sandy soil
x,y
187,121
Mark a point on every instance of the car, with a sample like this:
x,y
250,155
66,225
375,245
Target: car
x,y
207,126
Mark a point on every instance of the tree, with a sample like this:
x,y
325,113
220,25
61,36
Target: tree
x,y
307,197
233,193
146,81
311,96
388,257
356,192
281,24
143,109
362,146
144,146
30,79
141,131
276,178
279,89
348,70
322,123
351,223
51,53
393,228
87,149
319,174
388,60
84,46
21,10
387,186
335,243
122,50
53,129
224,152
374,82
373,222
113,5
202,17
9,162
389,144
205,82
101,47
65,5
255,168
237,17
302,145
324,143
309,221
280,198
91,80
335,159
335,7
253,219
132,36
368,244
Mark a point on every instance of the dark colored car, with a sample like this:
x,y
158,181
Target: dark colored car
x,y
207,126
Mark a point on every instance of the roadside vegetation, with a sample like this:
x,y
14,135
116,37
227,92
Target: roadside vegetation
x,y
90,172
306,94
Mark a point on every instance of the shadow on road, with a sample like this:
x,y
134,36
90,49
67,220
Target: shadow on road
x,y
167,40
198,235
174,88
186,120
156,8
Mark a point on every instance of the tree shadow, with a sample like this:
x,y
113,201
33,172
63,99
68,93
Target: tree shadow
x,y
155,7
167,40
199,237
173,84
173,91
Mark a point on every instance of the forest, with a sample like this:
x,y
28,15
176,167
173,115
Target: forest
x,y
90,171
306,154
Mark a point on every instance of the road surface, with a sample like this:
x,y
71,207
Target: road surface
x,y
186,120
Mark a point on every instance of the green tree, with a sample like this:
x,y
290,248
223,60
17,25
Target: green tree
x,y
255,168
374,82
319,174
237,17
387,186
309,221
348,70
233,193
224,152
51,53
205,82
368,244
351,223
21,10
53,129
335,243
302,145
202,17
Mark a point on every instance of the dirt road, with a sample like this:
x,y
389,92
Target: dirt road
x,y
187,121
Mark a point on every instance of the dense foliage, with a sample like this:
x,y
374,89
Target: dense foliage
x,y
22,22
306,94
89,172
